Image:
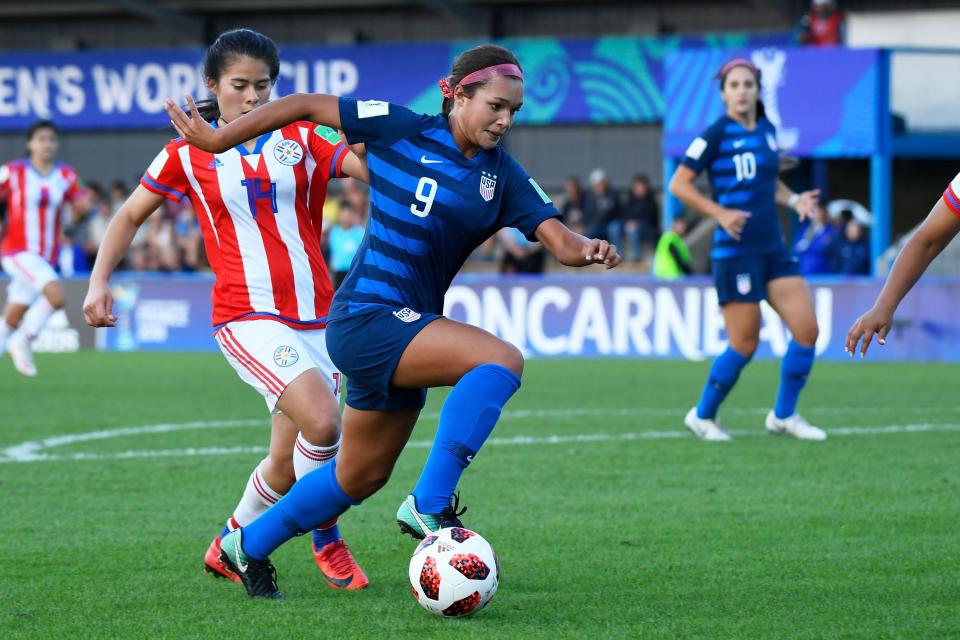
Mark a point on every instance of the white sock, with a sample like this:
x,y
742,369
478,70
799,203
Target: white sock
x,y
307,457
5,331
36,317
257,498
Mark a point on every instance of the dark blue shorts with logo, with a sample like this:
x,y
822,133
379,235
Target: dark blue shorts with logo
x,y
366,345
745,278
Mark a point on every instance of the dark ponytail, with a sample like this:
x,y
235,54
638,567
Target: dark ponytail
x,y
486,55
228,47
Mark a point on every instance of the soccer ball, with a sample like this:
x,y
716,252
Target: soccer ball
x,y
454,572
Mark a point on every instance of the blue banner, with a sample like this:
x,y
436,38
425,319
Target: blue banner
x,y
601,80
824,102
582,316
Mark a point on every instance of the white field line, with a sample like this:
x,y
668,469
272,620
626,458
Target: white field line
x,y
35,451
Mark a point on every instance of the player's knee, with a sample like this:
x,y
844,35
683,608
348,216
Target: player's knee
x,y
745,345
509,357
807,334
360,484
321,429
55,298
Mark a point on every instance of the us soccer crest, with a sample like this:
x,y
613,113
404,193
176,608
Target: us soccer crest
x,y
743,283
288,152
488,183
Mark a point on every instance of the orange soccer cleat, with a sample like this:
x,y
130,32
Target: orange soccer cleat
x,y
338,567
213,565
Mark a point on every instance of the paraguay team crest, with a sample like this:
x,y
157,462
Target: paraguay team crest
x,y
743,283
288,152
488,183
285,356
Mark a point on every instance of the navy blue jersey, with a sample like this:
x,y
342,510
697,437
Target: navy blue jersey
x,y
430,206
743,167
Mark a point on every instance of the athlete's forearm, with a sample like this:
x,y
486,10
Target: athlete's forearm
x,y
688,193
116,242
913,260
318,108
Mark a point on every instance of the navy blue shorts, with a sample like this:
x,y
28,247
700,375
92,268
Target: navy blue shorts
x,y
745,278
366,346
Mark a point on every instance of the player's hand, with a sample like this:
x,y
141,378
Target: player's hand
x,y
193,128
98,306
733,221
874,321
807,204
597,251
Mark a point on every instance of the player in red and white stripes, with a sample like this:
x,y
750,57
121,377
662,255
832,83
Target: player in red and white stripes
x,y
36,188
260,211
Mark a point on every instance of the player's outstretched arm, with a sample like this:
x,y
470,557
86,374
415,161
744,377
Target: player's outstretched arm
x,y
681,185
574,250
934,234
98,305
318,108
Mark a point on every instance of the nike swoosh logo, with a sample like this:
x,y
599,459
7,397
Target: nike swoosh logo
x,y
739,143
340,582
238,553
425,160
469,458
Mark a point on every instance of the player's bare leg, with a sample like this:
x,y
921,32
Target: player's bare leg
x,y
790,297
485,372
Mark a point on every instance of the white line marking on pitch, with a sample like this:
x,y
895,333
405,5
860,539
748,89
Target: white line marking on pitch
x,y
34,451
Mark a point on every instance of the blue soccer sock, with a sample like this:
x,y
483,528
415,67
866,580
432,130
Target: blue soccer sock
x,y
466,420
314,499
794,371
322,536
723,375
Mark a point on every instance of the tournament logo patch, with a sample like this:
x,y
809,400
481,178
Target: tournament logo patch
x,y
743,283
488,184
288,152
285,356
407,314
772,143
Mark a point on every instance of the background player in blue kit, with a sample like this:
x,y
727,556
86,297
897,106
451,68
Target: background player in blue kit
x,y
440,185
750,260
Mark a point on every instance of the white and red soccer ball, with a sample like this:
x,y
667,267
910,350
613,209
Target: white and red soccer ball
x,y
454,572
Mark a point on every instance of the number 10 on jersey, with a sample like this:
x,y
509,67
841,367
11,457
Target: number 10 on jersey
x,y
746,165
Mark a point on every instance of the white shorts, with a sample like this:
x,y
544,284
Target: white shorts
x,y
269,355
29,274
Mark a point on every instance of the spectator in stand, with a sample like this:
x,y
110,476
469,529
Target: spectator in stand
x,y
814,244
672,257
519,254
574,205
641,218
852,255
117,196
345,238
823,25
605,209
189,239
75,230
97,221
161,242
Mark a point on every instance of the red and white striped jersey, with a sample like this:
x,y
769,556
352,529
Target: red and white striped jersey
x,y
261,214
35,206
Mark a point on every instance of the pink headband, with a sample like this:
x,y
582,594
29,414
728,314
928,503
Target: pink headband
x,y
481,75
739,62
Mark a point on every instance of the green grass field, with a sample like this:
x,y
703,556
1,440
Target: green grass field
x,y
609,520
